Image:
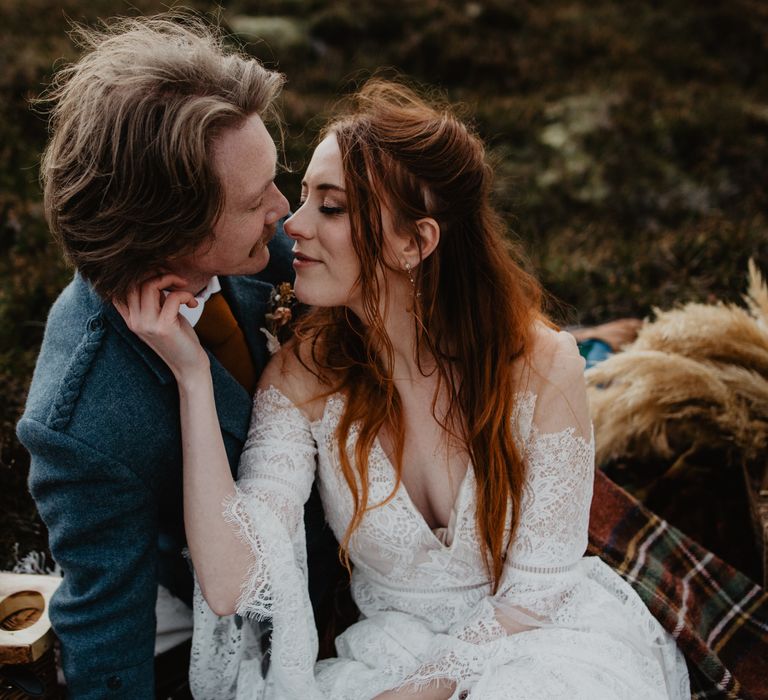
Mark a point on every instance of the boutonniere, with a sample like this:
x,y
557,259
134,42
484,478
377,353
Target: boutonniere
x,y
279,315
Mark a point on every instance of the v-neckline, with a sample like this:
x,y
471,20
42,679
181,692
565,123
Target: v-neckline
x,y
402,491
419,516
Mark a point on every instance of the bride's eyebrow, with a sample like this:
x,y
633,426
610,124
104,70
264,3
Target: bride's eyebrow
x,y
325,187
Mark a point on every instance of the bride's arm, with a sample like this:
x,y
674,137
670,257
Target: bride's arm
x,y
552,534
221,558
437,691
540,570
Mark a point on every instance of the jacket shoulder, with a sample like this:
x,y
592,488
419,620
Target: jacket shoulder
x,y
89,381
73,334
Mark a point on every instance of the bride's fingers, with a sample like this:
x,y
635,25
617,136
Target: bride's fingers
x,y
144,304
151,292
171,305
130,308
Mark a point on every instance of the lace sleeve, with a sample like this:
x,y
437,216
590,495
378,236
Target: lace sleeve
x,y
277,468
276,472
552,533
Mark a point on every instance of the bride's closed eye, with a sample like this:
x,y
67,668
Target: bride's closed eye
x,y
328,210
331,211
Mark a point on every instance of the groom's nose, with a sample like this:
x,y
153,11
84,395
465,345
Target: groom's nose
x,y
279,207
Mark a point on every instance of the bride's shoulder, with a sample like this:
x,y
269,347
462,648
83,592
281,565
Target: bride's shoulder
x,y
292,372
552,373
552,355
550,344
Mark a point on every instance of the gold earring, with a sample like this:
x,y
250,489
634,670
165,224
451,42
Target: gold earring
x,y
409,272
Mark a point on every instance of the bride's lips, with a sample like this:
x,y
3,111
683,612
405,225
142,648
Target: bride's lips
x,y
300,260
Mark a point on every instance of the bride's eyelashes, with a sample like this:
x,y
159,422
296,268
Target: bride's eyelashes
x,y
331,211
326,209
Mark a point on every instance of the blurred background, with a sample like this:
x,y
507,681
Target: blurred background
x,y
629,139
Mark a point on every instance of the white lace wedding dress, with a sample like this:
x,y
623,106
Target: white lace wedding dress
x,y
560,626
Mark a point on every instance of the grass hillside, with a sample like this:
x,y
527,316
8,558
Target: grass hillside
x,y
630,141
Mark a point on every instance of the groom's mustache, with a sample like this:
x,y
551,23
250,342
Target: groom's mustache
x,y
267,235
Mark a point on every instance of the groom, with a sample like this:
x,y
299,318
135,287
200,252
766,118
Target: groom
x,y
159,161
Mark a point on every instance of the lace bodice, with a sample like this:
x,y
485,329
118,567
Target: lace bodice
x,y
430,591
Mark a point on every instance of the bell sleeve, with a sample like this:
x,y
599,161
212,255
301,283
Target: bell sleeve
x,y
277,468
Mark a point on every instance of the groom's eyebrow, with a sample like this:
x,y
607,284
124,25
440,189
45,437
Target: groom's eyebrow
x,y
258,195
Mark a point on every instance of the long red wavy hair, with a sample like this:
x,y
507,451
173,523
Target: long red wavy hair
x,y
474,313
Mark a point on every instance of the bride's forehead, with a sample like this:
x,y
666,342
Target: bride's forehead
x,y
325,164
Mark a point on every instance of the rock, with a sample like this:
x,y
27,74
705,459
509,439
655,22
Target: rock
x,y
573,119
279,33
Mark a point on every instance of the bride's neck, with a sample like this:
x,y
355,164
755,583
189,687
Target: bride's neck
x,y
412,360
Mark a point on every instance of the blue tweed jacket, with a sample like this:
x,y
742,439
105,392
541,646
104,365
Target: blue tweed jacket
x,y
102,427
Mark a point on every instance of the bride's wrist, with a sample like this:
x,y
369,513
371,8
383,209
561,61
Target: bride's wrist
x,y
192,380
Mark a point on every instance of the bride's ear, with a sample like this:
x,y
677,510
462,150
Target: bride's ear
x,y
428,232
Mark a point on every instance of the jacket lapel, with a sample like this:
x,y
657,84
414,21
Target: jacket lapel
x,y
150,358
233,404
249,300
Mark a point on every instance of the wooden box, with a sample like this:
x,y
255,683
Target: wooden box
x,y
26,637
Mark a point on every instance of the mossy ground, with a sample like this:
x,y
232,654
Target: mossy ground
x,y
630,142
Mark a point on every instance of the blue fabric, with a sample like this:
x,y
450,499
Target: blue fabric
x,y
102,428
594,351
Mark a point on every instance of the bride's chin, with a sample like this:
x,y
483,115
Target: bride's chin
x,y
304,293
318,294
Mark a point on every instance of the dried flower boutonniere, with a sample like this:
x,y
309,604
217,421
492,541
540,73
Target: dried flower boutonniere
x,y
281,303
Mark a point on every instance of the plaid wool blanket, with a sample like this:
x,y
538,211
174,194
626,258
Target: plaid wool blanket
x,y
717,615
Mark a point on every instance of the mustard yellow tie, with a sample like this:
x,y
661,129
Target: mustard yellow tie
x,y
219,331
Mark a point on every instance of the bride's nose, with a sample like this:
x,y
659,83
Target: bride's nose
x,y
296,225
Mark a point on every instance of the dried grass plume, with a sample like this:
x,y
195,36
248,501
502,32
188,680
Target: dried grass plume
x,y
696,377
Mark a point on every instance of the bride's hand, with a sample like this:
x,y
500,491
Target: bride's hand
x,y
442,690
154,317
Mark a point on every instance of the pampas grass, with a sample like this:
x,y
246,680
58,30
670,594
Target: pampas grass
x,y
722,334
695,378
757,296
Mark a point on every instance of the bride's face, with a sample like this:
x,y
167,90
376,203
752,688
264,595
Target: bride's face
x,y
327,267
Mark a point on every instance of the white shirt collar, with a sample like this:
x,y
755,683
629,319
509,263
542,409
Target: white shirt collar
x,y
193,315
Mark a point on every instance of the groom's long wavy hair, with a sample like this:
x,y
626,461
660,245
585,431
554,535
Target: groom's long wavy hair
x,y
475,312
128,174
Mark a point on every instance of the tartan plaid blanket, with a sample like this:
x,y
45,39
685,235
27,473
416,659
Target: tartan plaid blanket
x,y
717,615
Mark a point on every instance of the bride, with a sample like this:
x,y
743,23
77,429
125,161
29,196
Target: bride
x,y
447,425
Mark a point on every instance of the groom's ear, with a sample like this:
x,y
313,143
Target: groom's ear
x,y
428,233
